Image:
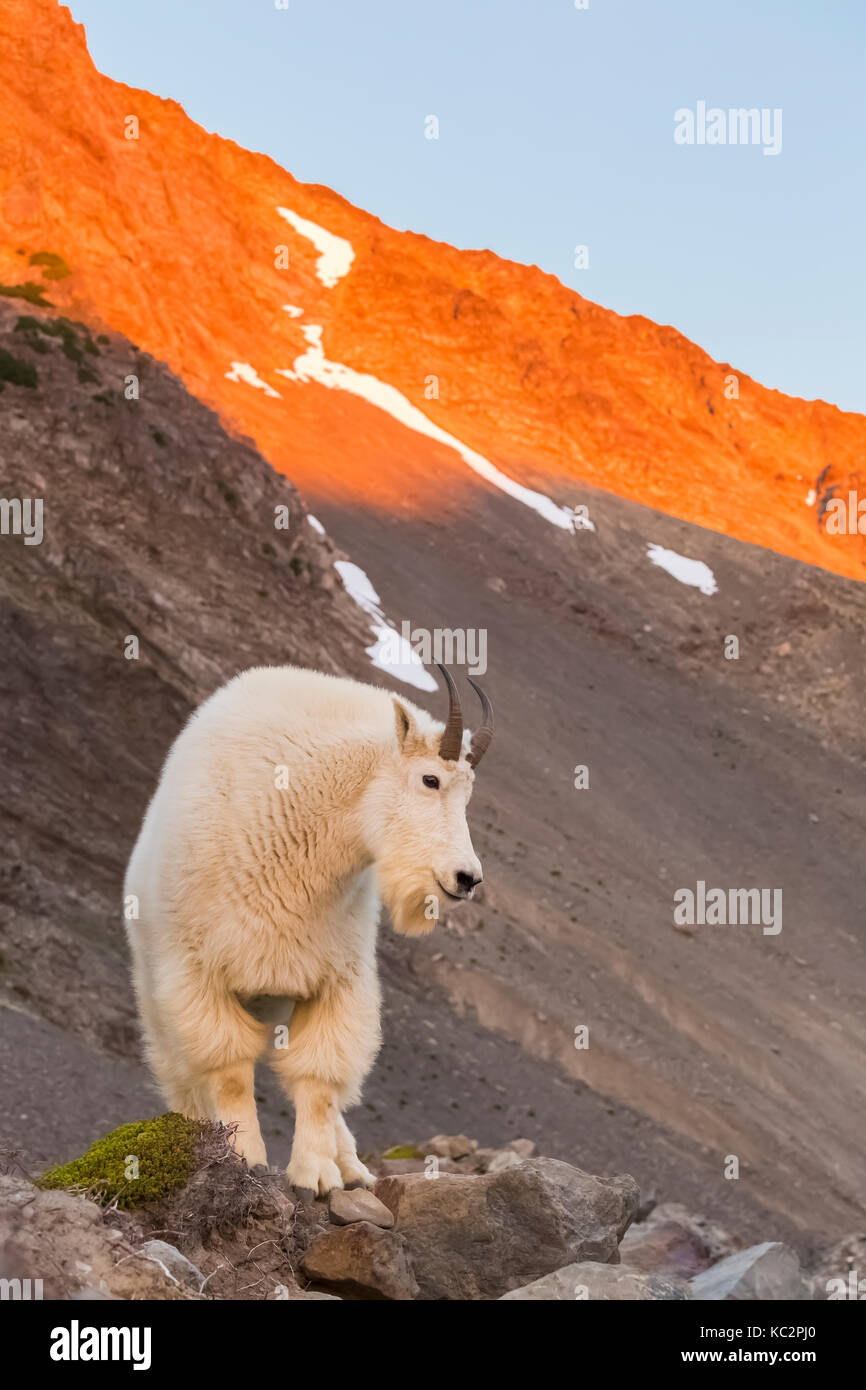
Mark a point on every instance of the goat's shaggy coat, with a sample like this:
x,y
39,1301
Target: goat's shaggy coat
x,y
287,805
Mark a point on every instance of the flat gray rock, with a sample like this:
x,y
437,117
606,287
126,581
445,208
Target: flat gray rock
x,y
589,1280
763,1273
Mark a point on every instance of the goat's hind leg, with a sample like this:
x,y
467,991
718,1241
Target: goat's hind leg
x,y
204,1059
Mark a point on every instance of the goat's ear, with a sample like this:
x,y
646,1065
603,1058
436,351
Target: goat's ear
x,y
407,729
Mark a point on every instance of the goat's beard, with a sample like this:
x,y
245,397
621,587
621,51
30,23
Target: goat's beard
x,y
409,897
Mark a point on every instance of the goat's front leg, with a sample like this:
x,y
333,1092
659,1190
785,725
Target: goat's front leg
x,y
332,1043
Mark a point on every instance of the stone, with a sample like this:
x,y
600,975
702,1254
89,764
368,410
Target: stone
x,y
357,1204
524,1147
763,1273
590,1280
482,1157
449,1146
173,1263
361,1261
479,1236
672,1241
502,1160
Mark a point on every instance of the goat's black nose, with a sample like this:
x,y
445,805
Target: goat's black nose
x,y
466,882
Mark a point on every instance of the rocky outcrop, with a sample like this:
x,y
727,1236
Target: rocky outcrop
x,y
536,1231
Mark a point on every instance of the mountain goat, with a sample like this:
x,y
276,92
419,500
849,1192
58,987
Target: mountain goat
x,y
287,807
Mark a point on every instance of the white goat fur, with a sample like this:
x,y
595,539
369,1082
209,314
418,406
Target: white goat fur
x,y
287,805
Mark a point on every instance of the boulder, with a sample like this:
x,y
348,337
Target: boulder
x,y
356,1204
483,1235
590,1280
672,1241
361,1261
763,1273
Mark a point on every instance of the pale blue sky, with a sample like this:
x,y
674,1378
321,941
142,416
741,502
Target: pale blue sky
x,y
556,129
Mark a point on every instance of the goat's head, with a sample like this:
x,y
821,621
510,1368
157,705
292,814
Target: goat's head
x,y
424,853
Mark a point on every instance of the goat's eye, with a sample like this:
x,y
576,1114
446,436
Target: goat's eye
x,y
430,781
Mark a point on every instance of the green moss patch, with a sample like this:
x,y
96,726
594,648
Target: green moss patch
x,y
403,1151
137,1163
53,266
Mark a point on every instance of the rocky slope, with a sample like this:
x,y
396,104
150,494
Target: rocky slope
x,y
175,237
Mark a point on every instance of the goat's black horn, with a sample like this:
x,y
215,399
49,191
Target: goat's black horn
x,y
483,737
452,736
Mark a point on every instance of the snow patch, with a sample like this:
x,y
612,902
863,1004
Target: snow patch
x,y
692,572
335,253
293,311
242,371
810,497
407,668
312,365
316,524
